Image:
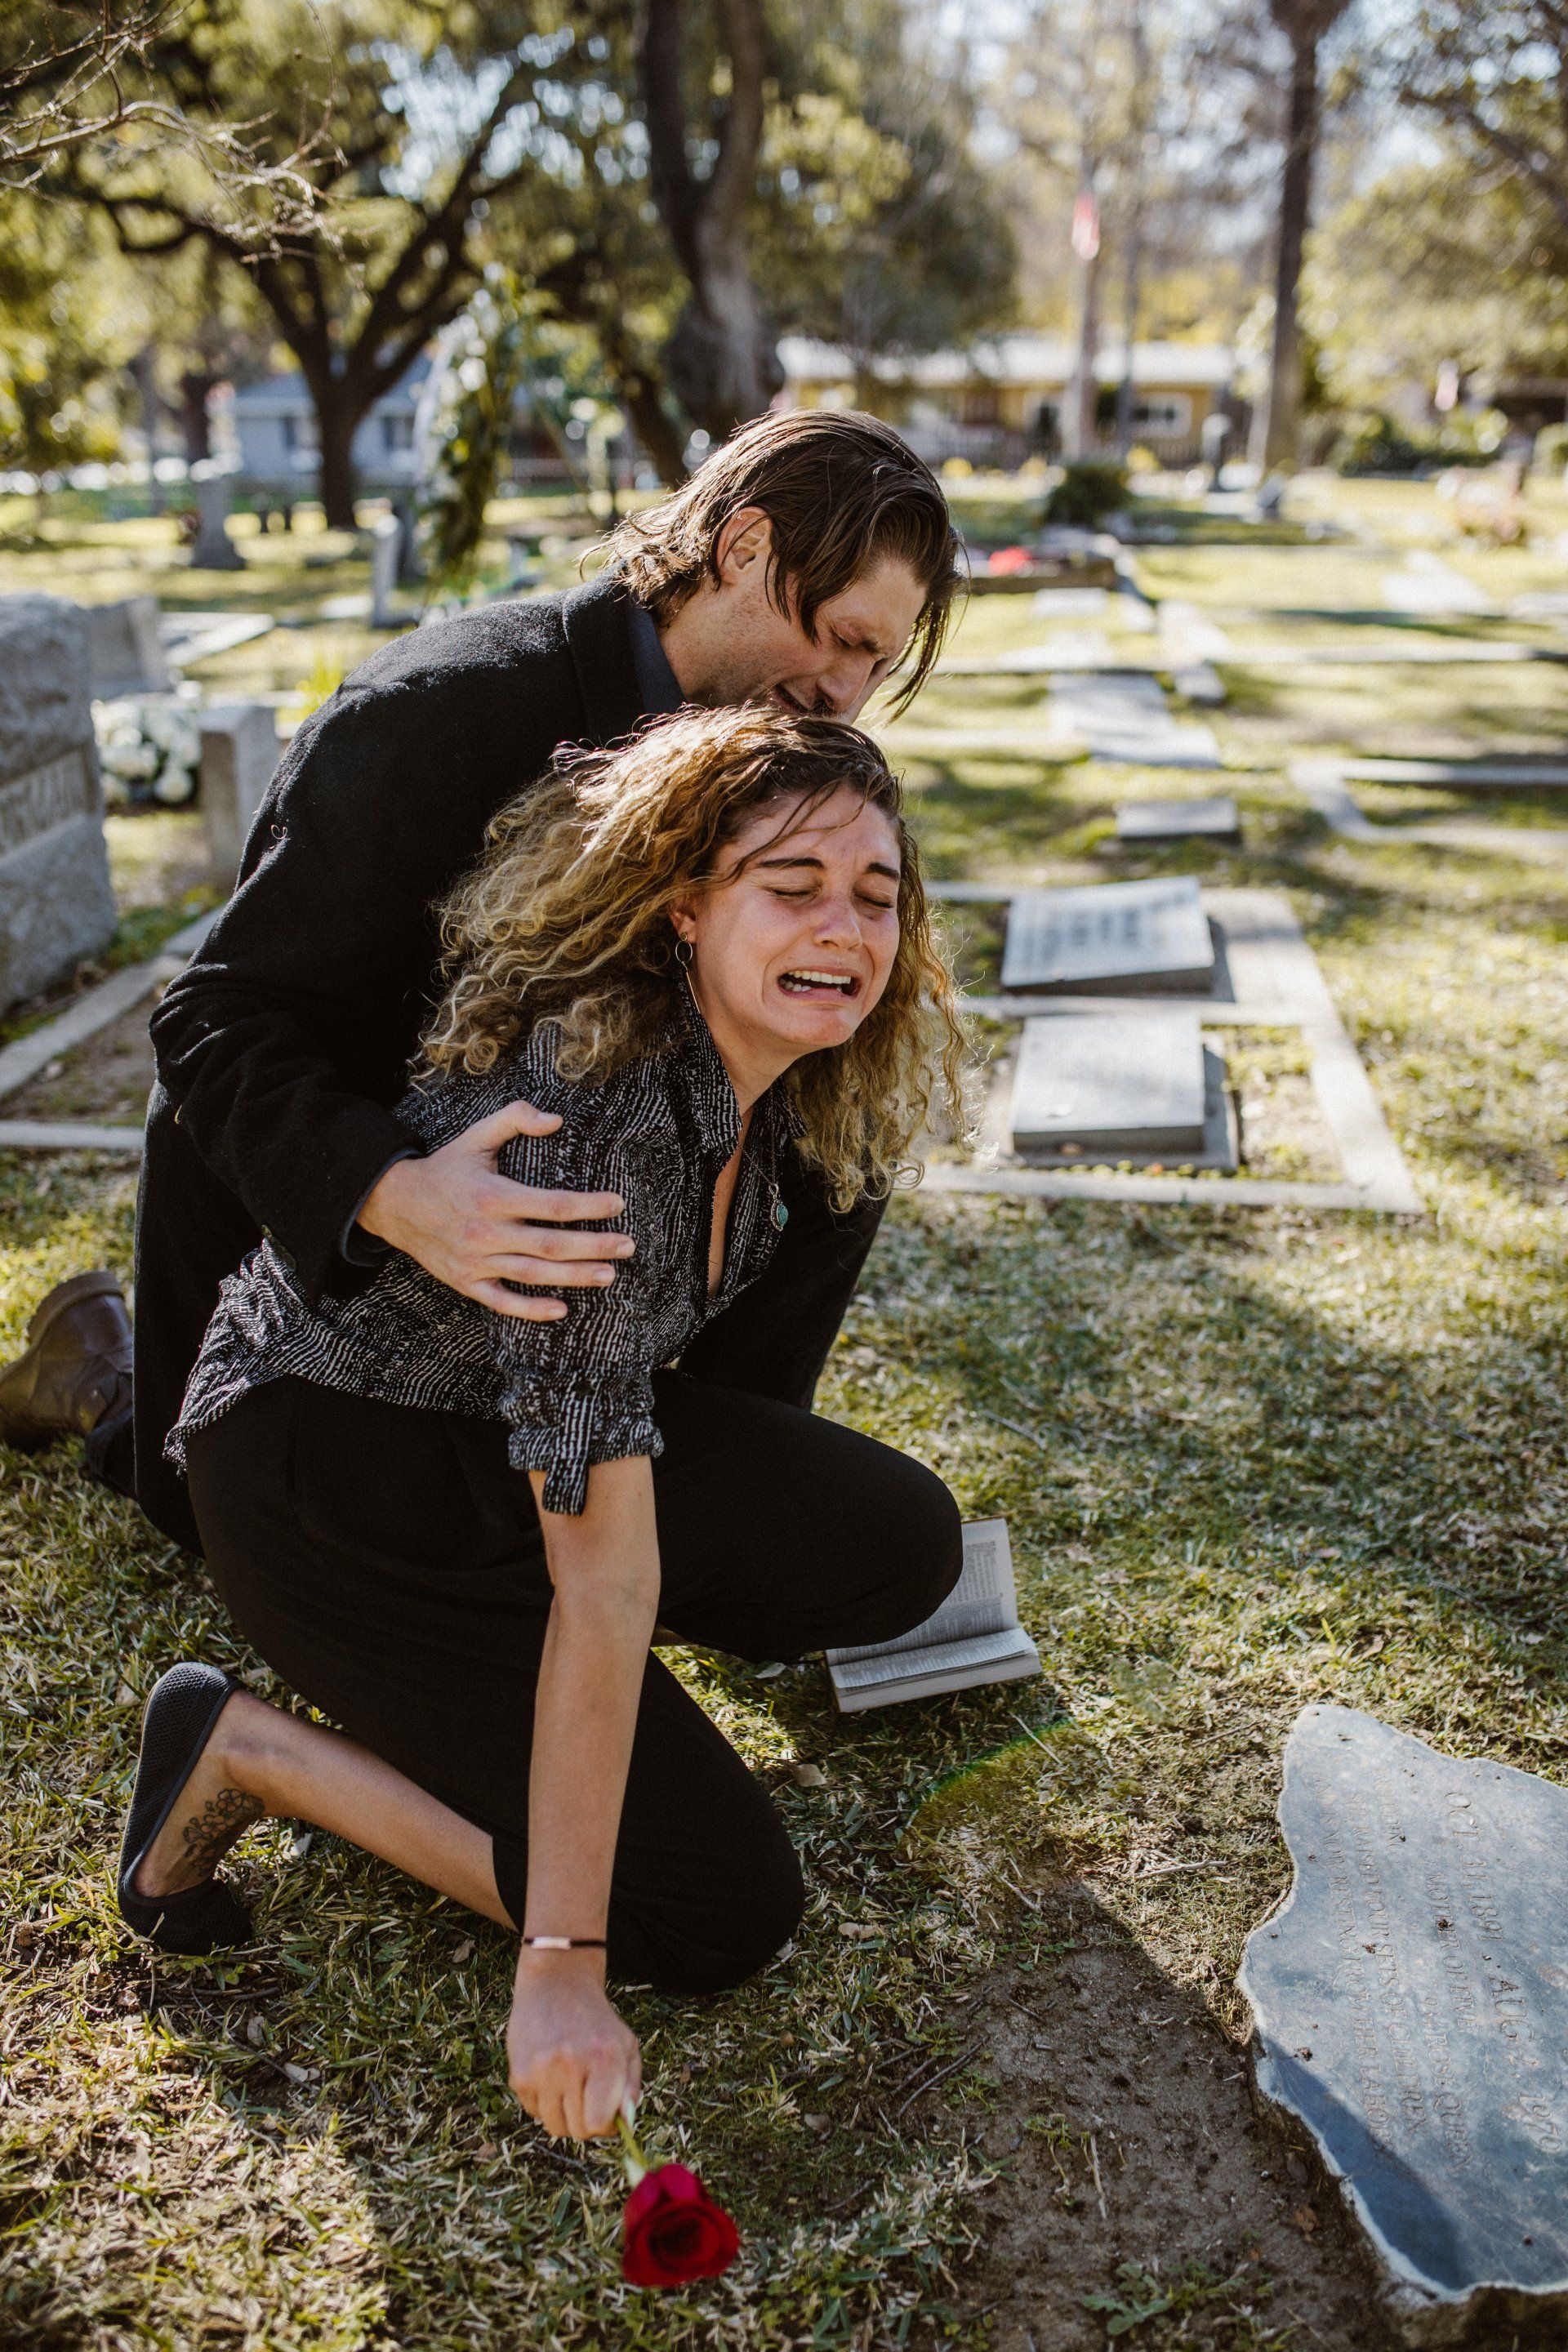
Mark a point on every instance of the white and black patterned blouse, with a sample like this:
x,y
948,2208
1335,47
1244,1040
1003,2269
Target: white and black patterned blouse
x,y
574,1391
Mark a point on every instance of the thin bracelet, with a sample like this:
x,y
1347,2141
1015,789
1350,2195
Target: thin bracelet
x,y
564,1943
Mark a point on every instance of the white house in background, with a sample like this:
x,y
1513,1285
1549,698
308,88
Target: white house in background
x,y
1003,398
275,430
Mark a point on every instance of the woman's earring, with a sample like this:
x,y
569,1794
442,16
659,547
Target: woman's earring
x,y
683,951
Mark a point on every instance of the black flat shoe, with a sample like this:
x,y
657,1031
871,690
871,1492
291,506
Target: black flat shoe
x,y
181,1713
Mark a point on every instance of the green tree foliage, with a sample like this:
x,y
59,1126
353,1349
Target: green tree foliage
x,y
874,225
1496,80
60,346
481,369
1438,261
436,120
403,148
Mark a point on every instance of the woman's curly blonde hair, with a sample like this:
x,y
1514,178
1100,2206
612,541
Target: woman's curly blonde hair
x,y
567,919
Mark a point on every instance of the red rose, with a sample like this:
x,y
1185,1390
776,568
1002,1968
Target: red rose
x,y
674,2231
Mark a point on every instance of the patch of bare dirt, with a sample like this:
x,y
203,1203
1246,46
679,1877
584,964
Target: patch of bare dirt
x,y
1140,2197
107,1078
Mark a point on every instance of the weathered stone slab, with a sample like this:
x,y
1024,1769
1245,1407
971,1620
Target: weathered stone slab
x,y
1110,1086
1110,939
239,755
1427,584
1206,820
1410,2010
1125,717
125,649
385,546
213,550
56,902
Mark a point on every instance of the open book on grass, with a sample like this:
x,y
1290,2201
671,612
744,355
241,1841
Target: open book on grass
x,y
974,1637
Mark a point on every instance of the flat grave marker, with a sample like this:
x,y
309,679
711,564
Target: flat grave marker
x,y
1410,2002
1215,819
1427,584
1110,939
1125,716
1096,1086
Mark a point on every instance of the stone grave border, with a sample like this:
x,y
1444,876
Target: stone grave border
x,y
25,1056
1325,782
1277,984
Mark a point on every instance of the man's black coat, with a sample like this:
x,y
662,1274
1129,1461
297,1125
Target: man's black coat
x,y
282,1046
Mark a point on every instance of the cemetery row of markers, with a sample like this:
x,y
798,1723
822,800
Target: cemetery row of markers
x,y
1130,1088
1124,1086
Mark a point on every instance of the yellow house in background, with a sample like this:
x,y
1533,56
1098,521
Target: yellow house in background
x,y
1001,402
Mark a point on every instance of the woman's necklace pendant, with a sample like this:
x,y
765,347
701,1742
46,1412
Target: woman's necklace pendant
x,y
780,1214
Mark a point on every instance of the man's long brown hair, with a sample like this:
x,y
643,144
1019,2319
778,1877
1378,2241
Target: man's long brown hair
x,y
841,490
568,921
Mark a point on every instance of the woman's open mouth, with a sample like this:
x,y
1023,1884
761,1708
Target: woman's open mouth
x,y
808,981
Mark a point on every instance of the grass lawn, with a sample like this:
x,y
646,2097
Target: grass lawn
x,y
1250,1459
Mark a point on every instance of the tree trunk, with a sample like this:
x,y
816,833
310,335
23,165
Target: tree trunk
x,y
196,391
1127,390
651,423
338,413
1279,424
1079,422
721,363
144,368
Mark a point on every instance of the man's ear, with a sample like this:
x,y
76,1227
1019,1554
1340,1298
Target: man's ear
x,y
745,542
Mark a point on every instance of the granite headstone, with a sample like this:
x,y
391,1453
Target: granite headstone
x,y
125,650
239,756
1112,938
56,902
1410,2001
213,550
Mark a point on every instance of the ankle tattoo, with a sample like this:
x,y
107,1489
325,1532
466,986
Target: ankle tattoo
x,y
208,1837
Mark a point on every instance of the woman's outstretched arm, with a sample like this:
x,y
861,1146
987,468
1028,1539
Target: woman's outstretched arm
x,y
572,2060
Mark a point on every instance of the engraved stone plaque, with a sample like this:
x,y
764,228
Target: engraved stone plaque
x,y
1112,938
56,902
1410,2001
1111,1085
1206,820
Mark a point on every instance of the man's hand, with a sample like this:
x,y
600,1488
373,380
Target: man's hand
x,y
476,1230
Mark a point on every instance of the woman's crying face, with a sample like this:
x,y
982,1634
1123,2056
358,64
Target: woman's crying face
x,y
792,946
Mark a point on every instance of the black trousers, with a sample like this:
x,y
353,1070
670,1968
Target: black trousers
x,y
389,1565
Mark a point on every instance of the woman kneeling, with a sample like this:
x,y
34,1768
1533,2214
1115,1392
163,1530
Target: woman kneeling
x,y
453,1529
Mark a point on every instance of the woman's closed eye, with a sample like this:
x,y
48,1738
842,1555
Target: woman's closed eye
x,y
798,897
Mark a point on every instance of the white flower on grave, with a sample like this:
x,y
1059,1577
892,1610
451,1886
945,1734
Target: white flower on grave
x,y
150,742
132,761
175,785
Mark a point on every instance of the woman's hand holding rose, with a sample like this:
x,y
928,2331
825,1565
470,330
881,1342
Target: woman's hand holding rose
x,y
572,2061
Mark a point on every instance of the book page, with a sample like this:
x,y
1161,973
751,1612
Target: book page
x,y
880,1667
982,1601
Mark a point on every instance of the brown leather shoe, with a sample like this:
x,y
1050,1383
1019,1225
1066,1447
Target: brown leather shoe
x,y
78,1366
